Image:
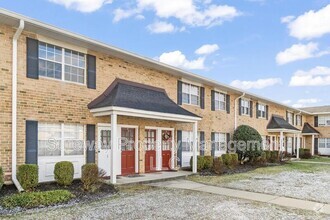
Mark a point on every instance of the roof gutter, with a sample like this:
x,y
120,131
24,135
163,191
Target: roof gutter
x,y
14,107
235,126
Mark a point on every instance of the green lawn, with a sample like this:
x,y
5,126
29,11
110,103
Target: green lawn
x,y
302,167
318,159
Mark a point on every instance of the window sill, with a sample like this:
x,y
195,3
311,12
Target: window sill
x,y
191,105
60,80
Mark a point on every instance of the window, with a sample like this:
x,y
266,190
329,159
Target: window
x,y
105,139
219,101
187,141
63,64
324,120
324,142
60,139
190,94
261,111
150,139
299,120
245,107
220,142
290,117
127,139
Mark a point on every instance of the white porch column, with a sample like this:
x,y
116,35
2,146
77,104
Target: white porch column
x,y
173,150
298,145
294,142
159,150
313,136
114,148
195,148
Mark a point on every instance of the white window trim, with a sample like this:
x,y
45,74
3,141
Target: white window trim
x,y
249,108
292,118
326,118
63,66
225,101
199,94
265,106
219,141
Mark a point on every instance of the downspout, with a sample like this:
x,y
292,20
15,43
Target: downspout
x,y
236,109
14,108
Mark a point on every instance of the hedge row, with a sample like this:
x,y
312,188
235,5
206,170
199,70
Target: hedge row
x,y
305,153
218,163
1,178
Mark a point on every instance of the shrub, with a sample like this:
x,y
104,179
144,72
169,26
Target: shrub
x,y
252,140
200,163
27,175
1,178
208,162
218,165
263,157
226,158
234,160
63,173
268,155
305,153
90,176
274,156
36,199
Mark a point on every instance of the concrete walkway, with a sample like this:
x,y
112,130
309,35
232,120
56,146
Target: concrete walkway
x,y
311,162
259,197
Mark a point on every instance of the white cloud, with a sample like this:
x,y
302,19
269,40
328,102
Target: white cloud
x,y
188,12
82,5
207,49
318,76
178,59
299,52
161,27
305,102
258,84
122,14
311,24
286,102
287,19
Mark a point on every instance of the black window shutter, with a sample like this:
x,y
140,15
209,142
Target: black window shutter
x,y
267,112
179,92
228,103
296,120
257,112
300,120
227,141
32,56
91,71
240,106
287,116
316,146
251,109
90,151
213,144
31,141
212,100
202,142
179,144
202,97
316,121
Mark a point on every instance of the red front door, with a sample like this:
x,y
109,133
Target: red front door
x,y
166,149
127,151
150,149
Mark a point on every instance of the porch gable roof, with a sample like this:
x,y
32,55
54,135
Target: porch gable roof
x,y
132,95
278,122
308,129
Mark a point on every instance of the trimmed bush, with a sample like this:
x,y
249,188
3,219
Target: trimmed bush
x,y
1,178
218,165
27,175
268,155
200,163
208,162
252,141
226,158
234,160
90,176
263,157
274,156
63,173
36,199
305,153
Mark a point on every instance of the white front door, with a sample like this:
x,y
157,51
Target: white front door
x,y
104,150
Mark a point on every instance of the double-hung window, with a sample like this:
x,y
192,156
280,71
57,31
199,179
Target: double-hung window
x,y
190,94
220,142
60,63
219,101
290,117
60,139
324,143
324,120
261,111
299,120
245,107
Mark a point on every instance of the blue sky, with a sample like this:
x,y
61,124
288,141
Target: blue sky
x,y
275,48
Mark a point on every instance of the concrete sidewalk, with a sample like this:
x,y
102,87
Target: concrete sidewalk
x,y
310,162
259,197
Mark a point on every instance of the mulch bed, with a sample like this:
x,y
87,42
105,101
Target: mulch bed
x,y
75,188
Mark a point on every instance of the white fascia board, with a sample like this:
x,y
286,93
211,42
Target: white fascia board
x,y
143,114
283,130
